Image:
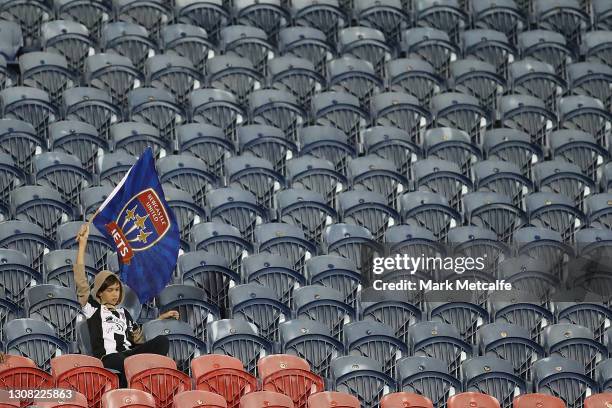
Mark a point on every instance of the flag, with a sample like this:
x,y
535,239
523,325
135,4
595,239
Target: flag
x,y
136,219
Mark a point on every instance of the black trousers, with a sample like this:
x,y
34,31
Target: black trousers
x,y
114,361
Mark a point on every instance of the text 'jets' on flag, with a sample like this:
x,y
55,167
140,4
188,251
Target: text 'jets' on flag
x,y
137,220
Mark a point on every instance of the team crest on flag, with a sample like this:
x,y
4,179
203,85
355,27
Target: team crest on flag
x,y
137,220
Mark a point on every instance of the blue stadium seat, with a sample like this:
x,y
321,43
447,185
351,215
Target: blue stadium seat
x,y
492,376
216,107
186,40
326,16
29,16
355,76
563,378
393,144
512,145
135,137
16,275
546,46
528,114
30,105
536,275
234,74
493,211
79,139
327,143
353,242
267,142
285,240
442,177
554,211
367,209
335,272
502,177
173,73
460,111
566,17
267,15
400,110
477,78
255,175
206,142
580,148
582,308
427,376
490,46
317,175
371,173
429,210
11,176
363,377
156,107
150,14
365,43
431,45
538,79
341,110
453,145
273,271
306,42
129,40
26,237
415,76
505,16
93,14
113,73
236,207
68,38
247,41
62,172
587,114
211,15
222,239
46,71
590,79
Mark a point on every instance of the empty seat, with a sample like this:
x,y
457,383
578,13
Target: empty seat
x,y
240,339
68,38
492,376
222,375
34,339
587,114
129,40
26,237
317,175
267,142
405,398
442,177
597,400
305,209
355,76
590,79
477,78
306,42
538,79
114,166
17,372
223,239
460,111
504,16
512,145
209,15
198,399
326,143
114,73
236,207
546,46
335,272
392,144
429,377
566,17
503,177
489,45
186,40
429,210
29,16
284,240
187,173
268,16
206,142
452,145
289,375
97,245
341,110
494,211
255,175
76,400
124,398
330,399
564,178
326,16
312,341
554,211
537,271
471,399
13,41
30,105
62,172
387,17
353,242
363,377
261,399
528,114
276,108
400,110
481,243
16,276
85,375
235,74
247,41
156,375
367,209
152,15
371,173
583,308
580,148
46,71
79,139
563,378
431,45
534,400
365,43
448,16
135,137
173,73
156,107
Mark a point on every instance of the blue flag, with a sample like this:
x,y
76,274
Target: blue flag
x,y
137,220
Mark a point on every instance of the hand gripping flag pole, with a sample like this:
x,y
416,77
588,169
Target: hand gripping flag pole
x,y
136,219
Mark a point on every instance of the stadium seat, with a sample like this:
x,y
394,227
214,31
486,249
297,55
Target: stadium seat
x,y
545,46
589,79
297,76
16,276
62,172
223,375
152,15
157,375
308,210
247,41
113,73
555,211
306,42
18,372
453,145
472,399
68,38
405,399
586,309
187,212
538,79
31,105
527,114
429,377
336,272
587,114
363,377
262,399
565,17
580,148
535,400
206,142
563,378
442,177
512,145
340,110
255,175
234,74
46,71
198,399
187,173
597,400
285,240
392,144
29,16
355,76
26,237
505,16
210,15
186,40
124,398
77,400
493,211
460,111
128,40
400,110
432,45
367,209
331,399
326,142
267,142
490,46
365,43
85,375
135,137
327,16
492,376
156,107
78,139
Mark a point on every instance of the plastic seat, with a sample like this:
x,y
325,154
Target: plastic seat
x,y
583,308
431,45
586,114
392,144
538,79
223,239
415,241
472,399
429,210
276,108
135,137
261,399
353,242
362,377
239,339
400,110
173,73
62,172
187,212
26,237
490,46
78,139
527,114
512,145
78,400
16,276
34,339
597,210
367,209
58,306
327,143
114,166
157,375
13,41
248,42
414,76
494,211
46,71
439,340
387,16
365,43
210,15
184,345
268,16
566,17
546,46
42,206
187,173
306,42
267,142
17,372
84,374
285,240
502,177
224,376
186,40
460,111
255,175
113,73
11,176
371,173
270,270
603,377
30,17
259,305
563,178
429,377
405,398
209,272
150,14
377,341
291,376
494,377
580,148
199,399
563,378
207,143
533,400
30,105
335,272
124,398
129,40
57,266
505,16
218,108
537,275
236,207
477,78
156,107
305,209
93,14
340,110
317,175
441,177
554,211
590,79
326,16
453,145
234,74
446,16
329,399
355,76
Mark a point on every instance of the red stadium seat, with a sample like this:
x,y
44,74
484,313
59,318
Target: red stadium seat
x,y
540,401
265,399
6,401
18,373
199,399
84,374
156,375
289,375
127,398
603,400
78,400
472,400
333,399
223,375
405,399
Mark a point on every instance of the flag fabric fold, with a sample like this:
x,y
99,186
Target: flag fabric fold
x,y
136,219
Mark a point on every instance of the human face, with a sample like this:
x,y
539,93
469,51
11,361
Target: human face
x,y
111,295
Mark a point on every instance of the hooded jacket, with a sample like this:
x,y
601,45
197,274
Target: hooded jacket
x,y
90,300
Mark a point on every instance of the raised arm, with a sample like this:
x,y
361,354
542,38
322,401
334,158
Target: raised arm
x,y
80,279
